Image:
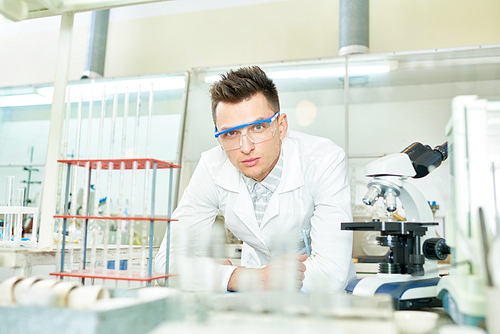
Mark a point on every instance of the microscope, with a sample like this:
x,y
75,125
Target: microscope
x,y
405,275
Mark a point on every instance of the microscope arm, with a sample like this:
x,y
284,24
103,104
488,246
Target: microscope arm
x,y
415,205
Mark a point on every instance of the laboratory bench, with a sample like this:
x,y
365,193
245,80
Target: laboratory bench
x,y
208,322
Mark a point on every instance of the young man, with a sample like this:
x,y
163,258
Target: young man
x,y
272,187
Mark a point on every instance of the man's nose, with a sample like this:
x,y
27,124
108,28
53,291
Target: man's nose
x,y
247,144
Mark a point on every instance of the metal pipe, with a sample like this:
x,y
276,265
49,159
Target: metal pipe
x,y
354,27
96,45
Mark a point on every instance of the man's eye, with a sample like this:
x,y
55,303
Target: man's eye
x,y
259,127
231,134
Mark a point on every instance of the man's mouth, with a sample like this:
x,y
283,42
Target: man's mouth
x,y
250,162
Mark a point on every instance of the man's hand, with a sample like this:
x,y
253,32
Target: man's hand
x,y
284,272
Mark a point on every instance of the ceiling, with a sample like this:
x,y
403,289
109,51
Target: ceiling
x,y
18,10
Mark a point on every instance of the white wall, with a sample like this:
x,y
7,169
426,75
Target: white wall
x,y
264,32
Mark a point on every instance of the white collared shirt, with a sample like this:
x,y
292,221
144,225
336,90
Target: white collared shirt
x,y
261,192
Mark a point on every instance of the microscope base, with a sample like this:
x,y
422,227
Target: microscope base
x,y
464,299
407,292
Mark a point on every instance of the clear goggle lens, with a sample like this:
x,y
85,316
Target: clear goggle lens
x,y
256,133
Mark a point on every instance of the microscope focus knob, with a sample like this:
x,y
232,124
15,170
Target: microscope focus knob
x,y
435,249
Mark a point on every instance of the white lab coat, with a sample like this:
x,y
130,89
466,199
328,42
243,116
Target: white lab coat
x,y
313,194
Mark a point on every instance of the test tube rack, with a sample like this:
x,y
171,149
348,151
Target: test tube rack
x,y
116,274
15,215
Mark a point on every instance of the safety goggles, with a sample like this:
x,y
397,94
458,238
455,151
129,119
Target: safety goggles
x,y
257,132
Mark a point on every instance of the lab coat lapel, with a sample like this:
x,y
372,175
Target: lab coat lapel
x,y
291,178
244,210
230,179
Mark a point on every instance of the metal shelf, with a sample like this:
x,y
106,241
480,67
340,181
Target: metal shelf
x,y
118,218
121,275
128,163
109,273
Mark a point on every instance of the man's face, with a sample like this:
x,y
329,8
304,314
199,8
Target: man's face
x,y
255,161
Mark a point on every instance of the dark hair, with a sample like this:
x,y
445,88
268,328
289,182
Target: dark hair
x,y
241,84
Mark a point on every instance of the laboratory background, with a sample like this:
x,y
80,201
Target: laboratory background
x,y
105,111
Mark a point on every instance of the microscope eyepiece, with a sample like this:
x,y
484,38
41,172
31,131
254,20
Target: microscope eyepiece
x,y
443,150
424,158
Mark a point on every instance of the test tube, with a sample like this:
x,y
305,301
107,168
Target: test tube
x,y
131,227
86,187
64,156
122,172
8,217
306,243
134,175
109,187
22,194
146,183
18,228
150,118
61,195
111,152
94,224
144,238
119,222
96,188
72,229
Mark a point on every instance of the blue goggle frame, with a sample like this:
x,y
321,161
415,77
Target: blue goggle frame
x,y
267,120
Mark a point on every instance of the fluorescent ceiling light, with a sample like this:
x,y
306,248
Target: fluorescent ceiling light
x,y
354,70
93,90
24,100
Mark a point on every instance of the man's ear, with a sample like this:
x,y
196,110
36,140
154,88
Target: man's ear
x,y
283,125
